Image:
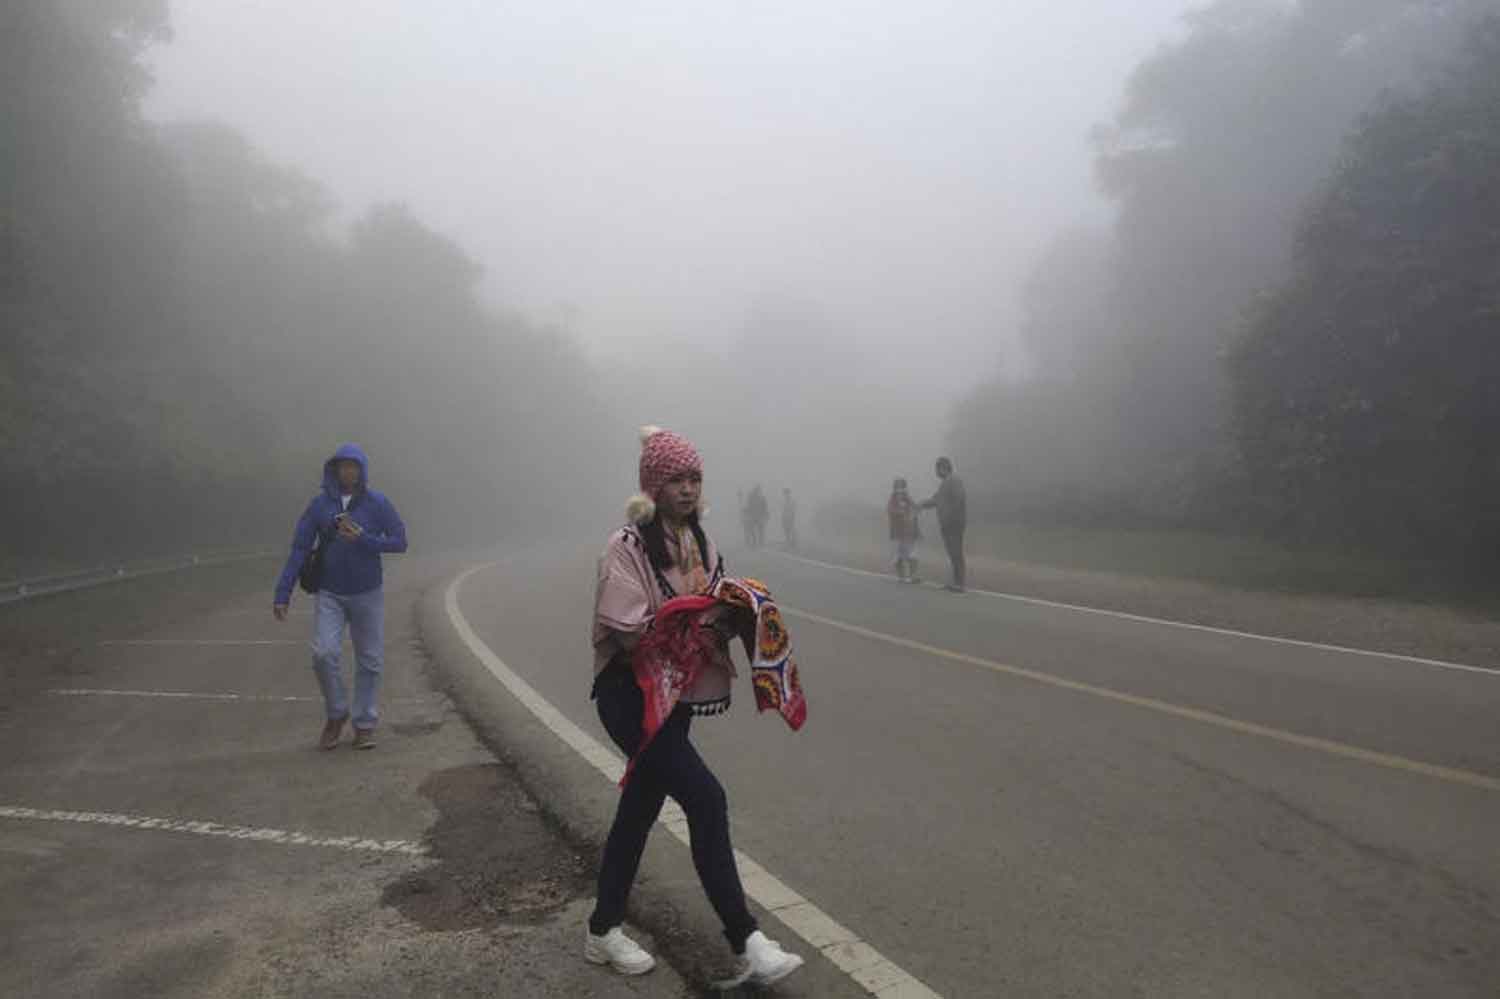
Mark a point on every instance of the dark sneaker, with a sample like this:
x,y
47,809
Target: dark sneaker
x,y
332,729
364,738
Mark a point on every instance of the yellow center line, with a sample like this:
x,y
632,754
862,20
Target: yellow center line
x,y
1330,746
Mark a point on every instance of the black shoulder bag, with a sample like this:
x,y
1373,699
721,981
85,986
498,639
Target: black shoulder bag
x,y
310,578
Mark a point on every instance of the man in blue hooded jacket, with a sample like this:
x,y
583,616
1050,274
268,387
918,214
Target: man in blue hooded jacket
x,y
355,525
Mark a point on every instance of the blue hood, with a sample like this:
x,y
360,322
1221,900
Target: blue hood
x,y
346,452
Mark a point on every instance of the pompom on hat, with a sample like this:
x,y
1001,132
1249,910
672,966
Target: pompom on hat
x,y
664,456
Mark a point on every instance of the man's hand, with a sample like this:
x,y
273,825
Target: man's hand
x,y
279,610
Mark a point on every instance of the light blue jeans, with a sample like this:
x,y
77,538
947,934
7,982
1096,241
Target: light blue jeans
x,y
364,614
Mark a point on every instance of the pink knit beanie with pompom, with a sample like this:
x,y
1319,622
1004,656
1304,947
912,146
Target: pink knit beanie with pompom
x,y
664,456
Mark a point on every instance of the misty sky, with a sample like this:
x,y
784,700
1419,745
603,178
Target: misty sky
x,y
650,170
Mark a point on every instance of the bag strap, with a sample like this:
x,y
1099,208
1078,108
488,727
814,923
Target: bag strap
x,y
322,537
714,574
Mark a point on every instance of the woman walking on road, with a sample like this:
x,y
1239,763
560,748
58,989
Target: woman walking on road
x,y
663,553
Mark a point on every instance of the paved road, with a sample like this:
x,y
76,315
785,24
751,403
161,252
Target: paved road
x,y
198,845
1008,799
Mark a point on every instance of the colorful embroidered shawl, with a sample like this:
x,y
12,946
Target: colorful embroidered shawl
x,y
682,642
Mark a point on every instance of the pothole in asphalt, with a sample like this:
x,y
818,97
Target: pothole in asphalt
x,y
497,859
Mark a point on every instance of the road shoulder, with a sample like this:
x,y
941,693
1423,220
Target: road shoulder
x,y
174,832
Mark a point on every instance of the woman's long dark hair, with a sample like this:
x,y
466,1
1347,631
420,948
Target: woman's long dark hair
x,y
655,536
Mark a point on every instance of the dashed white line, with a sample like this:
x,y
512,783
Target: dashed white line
x,y
875,973
203,641
179,694
263,612
1330,746
195,695
356,844
1169,623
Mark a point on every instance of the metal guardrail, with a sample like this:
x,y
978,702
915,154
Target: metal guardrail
x,y
78,579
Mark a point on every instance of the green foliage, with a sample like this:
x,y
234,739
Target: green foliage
x,y
1223,139
1364,388
187,333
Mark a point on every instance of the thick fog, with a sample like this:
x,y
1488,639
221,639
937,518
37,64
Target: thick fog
x,y
857,188
1218,266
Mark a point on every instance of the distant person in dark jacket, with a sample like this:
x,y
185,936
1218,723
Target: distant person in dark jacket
x,y
758,512
745,520
789,519
355,525
952,509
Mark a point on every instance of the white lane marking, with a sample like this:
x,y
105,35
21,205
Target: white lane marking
x,y
204,641
1168,622
183,694
262,612
209,696
857,959
357,844
1330,746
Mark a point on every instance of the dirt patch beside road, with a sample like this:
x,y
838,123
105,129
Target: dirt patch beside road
x,y
497,860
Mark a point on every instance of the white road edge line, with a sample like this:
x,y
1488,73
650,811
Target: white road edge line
x,y
873,972
1168,622
355,844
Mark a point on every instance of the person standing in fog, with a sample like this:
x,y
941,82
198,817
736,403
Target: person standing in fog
x,y
758,511
745,520
352,525
789,519
663,552
901,511
952,508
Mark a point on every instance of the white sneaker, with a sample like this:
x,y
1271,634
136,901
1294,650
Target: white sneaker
x,y
619,952
765,963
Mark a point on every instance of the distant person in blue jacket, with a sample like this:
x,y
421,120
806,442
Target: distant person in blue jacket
x,y
354,525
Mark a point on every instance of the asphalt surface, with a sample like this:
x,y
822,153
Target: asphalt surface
x,y
1009,799
198,845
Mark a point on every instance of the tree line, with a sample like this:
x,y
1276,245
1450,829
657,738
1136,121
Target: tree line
x,y
189,331
1290,327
